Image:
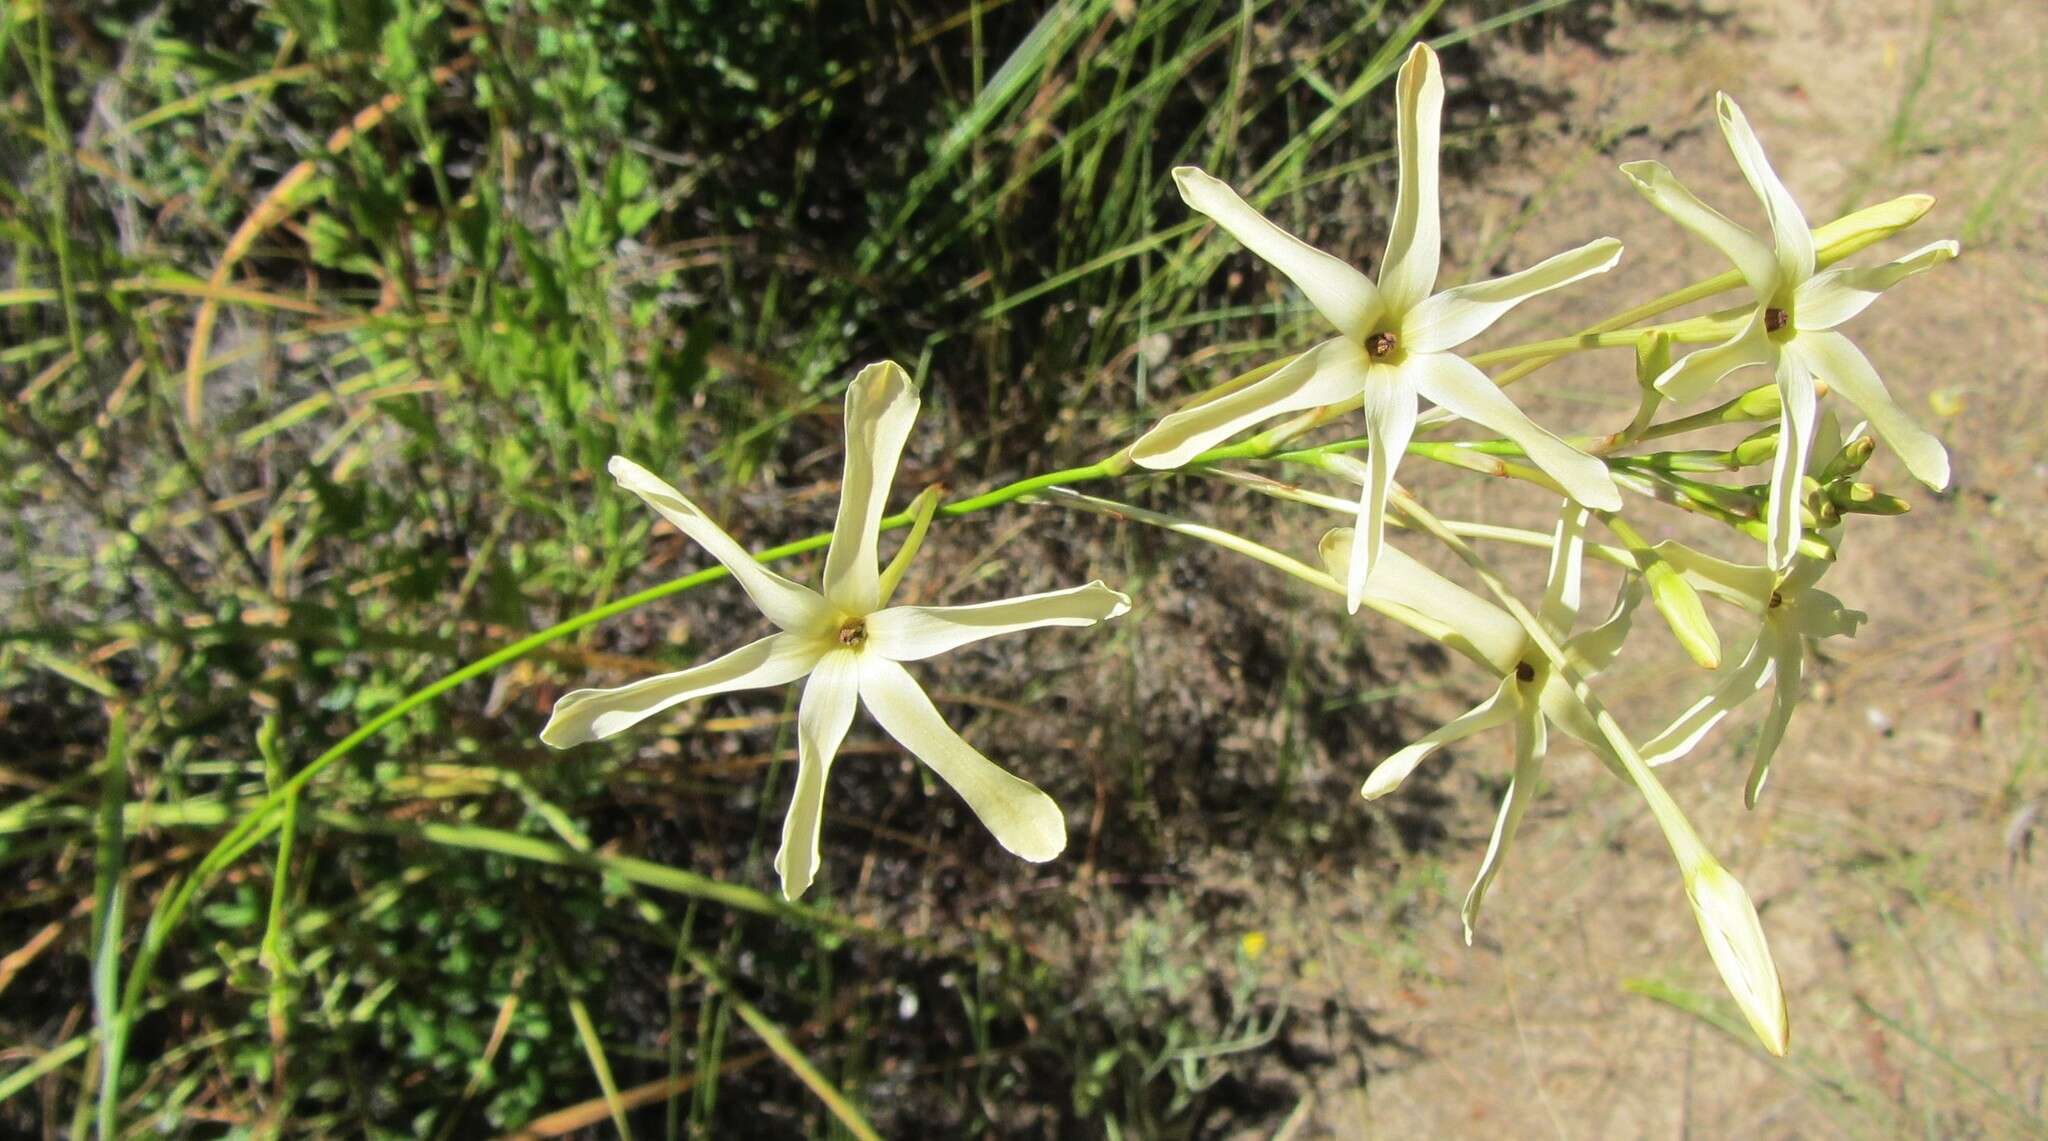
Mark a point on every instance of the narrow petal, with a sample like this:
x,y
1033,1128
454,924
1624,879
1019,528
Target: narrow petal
x,y
1408,272
1530,747
1455,384
1491,634
1022,819
1339,290
1828,299
1388,774
591,714
1455,316
785,603
1789,231
913,633
1332,372
1838,361
1788,471
881,404
1389,424
1595,649
1735,939
1696,372
1560,608
1788,659
1751,674
823,716
1752,258
1749,585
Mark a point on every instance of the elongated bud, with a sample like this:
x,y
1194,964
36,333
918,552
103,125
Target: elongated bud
x,y
1652,358
1760,403
1849,460
1868,226
921,510
1759,448
1863,499
1680,605
1735,939
1698,460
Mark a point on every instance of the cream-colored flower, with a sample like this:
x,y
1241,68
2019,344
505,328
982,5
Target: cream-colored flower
x,y
1792,612
1531,692
1735,939
1792,330
1394,337
850,644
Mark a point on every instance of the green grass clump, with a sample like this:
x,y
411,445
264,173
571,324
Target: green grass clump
x,y
321,320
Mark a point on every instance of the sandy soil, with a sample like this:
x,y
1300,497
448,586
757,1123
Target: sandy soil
x,y
1891,855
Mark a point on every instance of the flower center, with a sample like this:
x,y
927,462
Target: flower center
x,y
853,633
1525,672
1382,345
1776,319
1777,600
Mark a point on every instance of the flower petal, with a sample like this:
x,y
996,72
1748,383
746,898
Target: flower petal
x,y
913,633
1789,232
1828,299
785,603
590,714
1789,664
1530,747
823,716
1751,674
1389,424
1331,372
1838,361
1414,245
1788,470
1753,260
1455,316
1456,385
881,405
1735,939
1491,634
1595,649
1560,607
1696,372
1339,290
1749,585
1388,774
1022,819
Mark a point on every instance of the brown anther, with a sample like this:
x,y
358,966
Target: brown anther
x,y
1382,344
1777,600
853,633
1775,320
1525,672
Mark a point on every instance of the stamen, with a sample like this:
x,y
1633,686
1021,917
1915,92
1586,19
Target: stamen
x,y
1775,320
853,633
1525,672
1382,344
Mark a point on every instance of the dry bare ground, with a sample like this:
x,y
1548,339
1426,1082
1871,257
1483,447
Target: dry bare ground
x,y
1896,853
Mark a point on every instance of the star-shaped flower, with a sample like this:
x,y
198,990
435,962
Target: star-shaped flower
x,y
1792,611
1792,330
851,645
1531,692
1395,337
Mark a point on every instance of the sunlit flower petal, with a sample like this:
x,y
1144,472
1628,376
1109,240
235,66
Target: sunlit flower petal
x,y
823,716
1388,774
1789,232
1828,299
1487,632
1795,444
591,714
1560,606
1340,292
881,405
1693,374
1848,372
912,633
1455,316
1329,373
1753,259
1530,747
785,603
1408,272
1023,820
1741,682
1789,663
1735,939
1458,386
1389,425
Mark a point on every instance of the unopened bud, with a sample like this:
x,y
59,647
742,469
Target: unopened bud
x,y
1760,403
1760,448
1652,358
1863,499
1849,460
1735,939
1868,226
1680,605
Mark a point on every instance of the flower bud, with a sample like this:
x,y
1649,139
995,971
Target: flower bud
x,y
1863,499
1680,605
1868,226
1735,939
1652,358
1760,448
1760,403
1849,460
